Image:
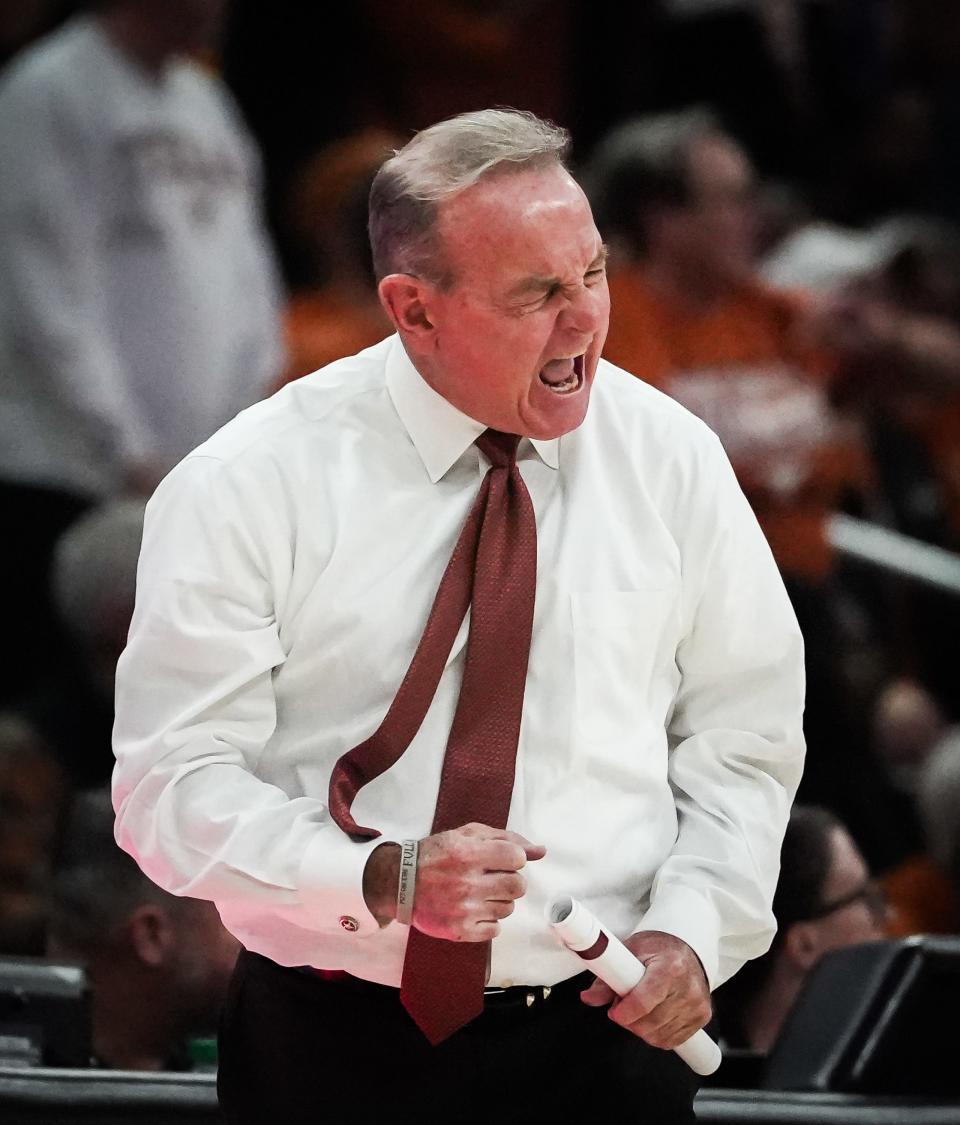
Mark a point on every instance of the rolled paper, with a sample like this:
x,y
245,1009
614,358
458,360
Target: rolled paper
x,y
607,956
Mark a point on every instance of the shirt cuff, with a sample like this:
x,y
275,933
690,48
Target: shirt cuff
x,y
690,917
331,883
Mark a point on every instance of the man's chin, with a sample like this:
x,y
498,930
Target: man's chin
x,y
549,420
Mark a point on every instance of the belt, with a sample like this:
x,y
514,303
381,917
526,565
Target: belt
x,y
516,997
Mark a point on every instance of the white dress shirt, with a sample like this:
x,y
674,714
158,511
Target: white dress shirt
x,y
138,293
287,571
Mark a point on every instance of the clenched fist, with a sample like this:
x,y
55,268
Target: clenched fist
x,y
468,880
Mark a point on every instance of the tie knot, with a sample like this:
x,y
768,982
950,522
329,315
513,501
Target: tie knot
x,y
500,449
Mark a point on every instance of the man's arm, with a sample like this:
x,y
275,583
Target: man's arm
x,y
735,761
196,708
736,732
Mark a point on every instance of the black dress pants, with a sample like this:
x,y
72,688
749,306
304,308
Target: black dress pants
x,y
296,1048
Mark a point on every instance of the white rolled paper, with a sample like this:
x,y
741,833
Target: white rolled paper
x,y
607,956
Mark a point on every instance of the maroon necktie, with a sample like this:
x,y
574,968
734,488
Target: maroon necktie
x,y
492,570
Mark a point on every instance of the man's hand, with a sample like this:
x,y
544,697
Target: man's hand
x,y
468,880
670,1003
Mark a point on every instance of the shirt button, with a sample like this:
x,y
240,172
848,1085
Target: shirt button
x,y
351,925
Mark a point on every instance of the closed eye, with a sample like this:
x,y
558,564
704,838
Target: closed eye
x,y
593,276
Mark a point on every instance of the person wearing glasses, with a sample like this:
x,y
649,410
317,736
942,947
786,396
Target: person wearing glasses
x,y
825,900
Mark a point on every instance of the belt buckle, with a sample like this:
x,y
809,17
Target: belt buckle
x,y
540,992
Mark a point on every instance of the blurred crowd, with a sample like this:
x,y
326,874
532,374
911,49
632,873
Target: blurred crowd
x,y
182,231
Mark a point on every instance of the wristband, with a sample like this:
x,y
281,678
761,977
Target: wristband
x,y
408,881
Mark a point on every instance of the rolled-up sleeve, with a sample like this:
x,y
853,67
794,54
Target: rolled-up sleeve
x,y
736,741
196,707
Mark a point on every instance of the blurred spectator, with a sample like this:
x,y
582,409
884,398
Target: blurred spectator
x,y
825,900
21,21
94,575
909,728
158,965
334,310
138,307
939,794
907,724
895,329
925,889
675,195
32,793
823,257
895,326
95,583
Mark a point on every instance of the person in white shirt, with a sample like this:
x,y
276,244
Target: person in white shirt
x,y
286,575
139,296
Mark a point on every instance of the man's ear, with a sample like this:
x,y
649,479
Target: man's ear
x,y
152,934
802,946
407,301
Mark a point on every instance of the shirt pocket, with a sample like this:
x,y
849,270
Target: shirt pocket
x,y
625,672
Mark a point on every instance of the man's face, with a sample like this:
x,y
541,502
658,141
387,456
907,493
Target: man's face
x,y
716,230
861,918
517,338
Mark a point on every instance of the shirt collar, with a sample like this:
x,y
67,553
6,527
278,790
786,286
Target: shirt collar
x,y
440,432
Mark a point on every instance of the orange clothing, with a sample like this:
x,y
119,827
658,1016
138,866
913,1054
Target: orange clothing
x,y
654,337
922,900
326,324
743,366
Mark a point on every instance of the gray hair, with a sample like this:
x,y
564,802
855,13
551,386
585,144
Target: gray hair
x,y
95,565
438,163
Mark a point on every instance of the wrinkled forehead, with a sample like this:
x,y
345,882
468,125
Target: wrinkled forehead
x,y
530,221
509,192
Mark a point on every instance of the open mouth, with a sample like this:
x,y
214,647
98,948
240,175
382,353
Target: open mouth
x,y
563,376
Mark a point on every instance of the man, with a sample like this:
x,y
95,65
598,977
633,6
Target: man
x,y
158,966
138,304
276,665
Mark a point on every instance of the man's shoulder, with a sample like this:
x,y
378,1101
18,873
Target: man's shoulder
x,y
55,82
308,415
51,60
623,400
207,93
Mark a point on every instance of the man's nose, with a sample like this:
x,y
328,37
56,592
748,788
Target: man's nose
x,y
587,311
